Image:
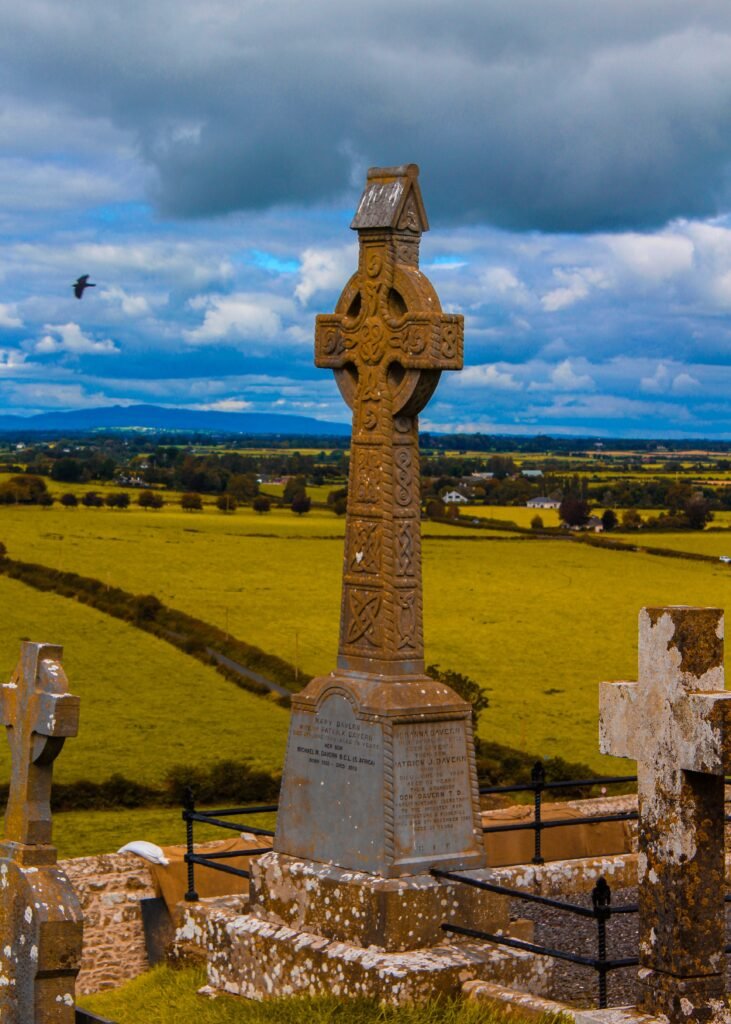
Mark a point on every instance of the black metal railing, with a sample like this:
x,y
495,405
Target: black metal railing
x,y
213,859
601,910
538,786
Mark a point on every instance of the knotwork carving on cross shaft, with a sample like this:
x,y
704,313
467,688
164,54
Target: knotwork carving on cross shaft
x,y
387,343
363,625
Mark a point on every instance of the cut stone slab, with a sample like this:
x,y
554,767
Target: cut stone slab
x,y
380,777
256,958
392,914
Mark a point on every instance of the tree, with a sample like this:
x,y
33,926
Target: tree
x,y
698,511
300,504
191,502
340,506
45,500
294,486
261,503
609,519
631,519
226,502
69,500
536,523
573,510
242,486
67,470
150,499
118,499
92,500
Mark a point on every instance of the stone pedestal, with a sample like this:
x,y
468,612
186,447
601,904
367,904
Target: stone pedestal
x,y
41,930
380,777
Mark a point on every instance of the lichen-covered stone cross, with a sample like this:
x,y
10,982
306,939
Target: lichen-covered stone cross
x,y
39,714
387,342
676,723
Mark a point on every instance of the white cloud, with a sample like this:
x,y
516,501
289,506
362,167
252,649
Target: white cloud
x,y
653,257
227,405
39,395
685,384
565,378
324,270
575,286
70,338
8,317
11,358
489,376
131,305
238,317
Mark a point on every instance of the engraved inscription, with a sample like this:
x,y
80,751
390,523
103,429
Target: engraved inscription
x,y
432,789
332,800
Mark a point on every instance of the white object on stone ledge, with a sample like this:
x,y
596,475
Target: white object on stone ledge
x,y
150,851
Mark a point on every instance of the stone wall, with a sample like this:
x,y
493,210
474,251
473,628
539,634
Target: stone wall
x,y
110,887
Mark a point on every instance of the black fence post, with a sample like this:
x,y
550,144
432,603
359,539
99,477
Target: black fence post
x,y
538,779
601,899
188,809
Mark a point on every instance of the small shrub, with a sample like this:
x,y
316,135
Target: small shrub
x,y
191,502
536,523
69,500
226,503
261,504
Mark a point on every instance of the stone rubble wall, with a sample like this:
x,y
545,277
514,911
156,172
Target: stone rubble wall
x,y
110,887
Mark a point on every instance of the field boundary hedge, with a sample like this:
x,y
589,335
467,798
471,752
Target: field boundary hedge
x,y
193,636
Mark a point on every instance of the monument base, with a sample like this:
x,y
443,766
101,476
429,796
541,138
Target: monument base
x,y
697,1000
380,777
40,952
259,957
391,914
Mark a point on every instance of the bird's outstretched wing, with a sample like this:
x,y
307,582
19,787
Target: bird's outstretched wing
x,y
80,284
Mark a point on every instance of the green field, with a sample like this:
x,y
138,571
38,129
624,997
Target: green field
x,y
145,706
539,623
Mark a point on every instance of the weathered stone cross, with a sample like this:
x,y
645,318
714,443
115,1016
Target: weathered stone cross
x,y
387,342
38,713
40,918
676,723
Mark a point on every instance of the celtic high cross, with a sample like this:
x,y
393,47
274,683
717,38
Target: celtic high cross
x,y
38,713
387,342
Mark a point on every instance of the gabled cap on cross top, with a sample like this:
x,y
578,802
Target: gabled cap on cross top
x,y
678,713
392,199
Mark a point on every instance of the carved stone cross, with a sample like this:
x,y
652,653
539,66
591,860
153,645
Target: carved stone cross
x,y
676,723
40,916
38,713
387,342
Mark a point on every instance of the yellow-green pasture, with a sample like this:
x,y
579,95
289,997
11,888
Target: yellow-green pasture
x,y
521,515
83,833
145,706
538,622
699,542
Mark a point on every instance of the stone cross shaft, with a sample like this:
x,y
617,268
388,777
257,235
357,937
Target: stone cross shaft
x,y
676,723
387,342
38,713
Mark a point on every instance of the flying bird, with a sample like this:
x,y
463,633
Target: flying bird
x,y
83,282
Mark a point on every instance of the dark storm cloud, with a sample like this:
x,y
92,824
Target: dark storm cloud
x,y
562,115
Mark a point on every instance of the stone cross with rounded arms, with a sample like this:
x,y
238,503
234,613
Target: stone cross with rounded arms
x,y
676,723
42,923
39,714
387,342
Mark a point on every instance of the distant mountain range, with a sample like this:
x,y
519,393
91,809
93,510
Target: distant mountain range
x,y
154,417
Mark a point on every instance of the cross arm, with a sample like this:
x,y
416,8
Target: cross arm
x,y
432,342
704,733
57,715
620,714
333,345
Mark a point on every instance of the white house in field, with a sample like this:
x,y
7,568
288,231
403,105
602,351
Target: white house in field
x,y
454,498
542,502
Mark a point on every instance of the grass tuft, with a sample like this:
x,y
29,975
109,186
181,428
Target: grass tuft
x,y
169,996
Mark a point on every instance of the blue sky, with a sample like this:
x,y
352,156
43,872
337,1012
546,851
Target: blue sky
x,y
202,164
